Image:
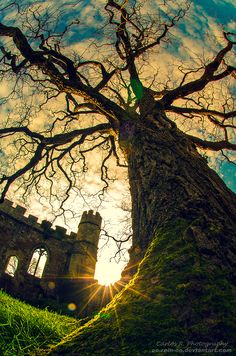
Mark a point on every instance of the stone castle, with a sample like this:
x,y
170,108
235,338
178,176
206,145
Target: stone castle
x,y
45,266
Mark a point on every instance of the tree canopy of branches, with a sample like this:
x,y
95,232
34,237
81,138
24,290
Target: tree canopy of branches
x,y
148,121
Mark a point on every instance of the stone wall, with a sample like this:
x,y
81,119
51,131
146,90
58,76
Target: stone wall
x,y
68,276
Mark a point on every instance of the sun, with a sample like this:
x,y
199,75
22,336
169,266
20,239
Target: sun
x,y
108,272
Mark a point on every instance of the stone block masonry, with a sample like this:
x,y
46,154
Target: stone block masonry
x,y
42,265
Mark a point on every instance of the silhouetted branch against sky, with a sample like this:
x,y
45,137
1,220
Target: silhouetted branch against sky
x,y
75,75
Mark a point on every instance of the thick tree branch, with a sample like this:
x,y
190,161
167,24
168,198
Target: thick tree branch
x,y
48,144
205,112
59,139
213,146
65,138
73,85
124,47
199,84
24,129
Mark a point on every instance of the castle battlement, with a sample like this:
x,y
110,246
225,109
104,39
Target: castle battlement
x,y
45,226
39,261
91,217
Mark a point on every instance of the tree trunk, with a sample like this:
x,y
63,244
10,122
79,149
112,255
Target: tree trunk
x,y
184,217
170,180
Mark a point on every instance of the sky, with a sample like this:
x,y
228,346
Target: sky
x,y
204,19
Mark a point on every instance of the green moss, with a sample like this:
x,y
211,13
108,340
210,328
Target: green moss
x,y
174,297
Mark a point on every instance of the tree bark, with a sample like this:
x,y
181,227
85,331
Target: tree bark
x,y
184,218
169,179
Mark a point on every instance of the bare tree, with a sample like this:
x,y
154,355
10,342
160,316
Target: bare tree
x,y
181,209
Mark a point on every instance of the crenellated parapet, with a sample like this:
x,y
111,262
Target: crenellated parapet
x,y
70,260
91,217
83,260
18,213
89,227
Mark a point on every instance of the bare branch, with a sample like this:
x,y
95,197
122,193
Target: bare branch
x,y
9,180
199,84
212,145
71,85
184,110
11,130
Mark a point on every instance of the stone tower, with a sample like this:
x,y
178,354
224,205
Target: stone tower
x,y
83,260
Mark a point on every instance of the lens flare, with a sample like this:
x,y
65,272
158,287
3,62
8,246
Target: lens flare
x,y
72,306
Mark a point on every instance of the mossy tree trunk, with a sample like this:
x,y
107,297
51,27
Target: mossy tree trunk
x,y
184,218
169,179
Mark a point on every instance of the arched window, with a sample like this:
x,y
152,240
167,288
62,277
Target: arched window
x,y
12,266
38,262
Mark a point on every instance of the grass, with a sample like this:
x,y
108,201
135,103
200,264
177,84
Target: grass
x,y
176,296
24,329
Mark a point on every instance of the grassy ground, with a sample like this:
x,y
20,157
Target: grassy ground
x,y
175,297
24,329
